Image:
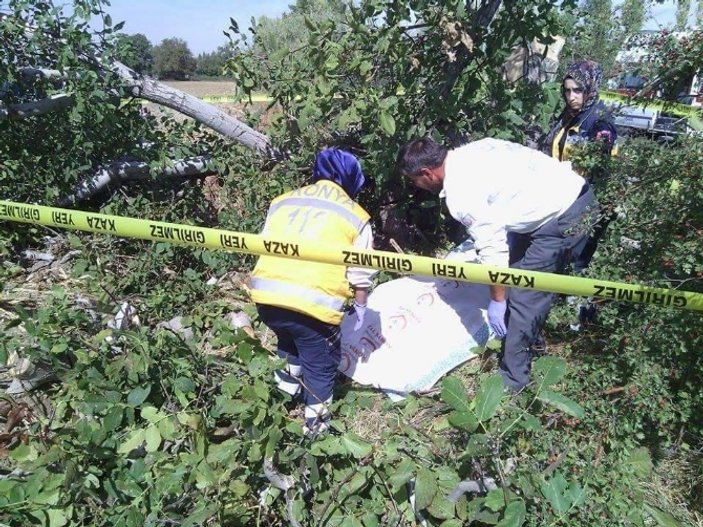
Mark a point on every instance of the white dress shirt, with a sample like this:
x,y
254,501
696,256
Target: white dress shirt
x,y
494,187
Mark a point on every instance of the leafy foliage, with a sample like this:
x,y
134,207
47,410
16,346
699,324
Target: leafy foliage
x,y
212,64
386,71
138,53
672,61
143,427
173,59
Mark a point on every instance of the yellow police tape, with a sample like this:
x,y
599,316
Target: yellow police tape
x,y
402,263
682,110
255,97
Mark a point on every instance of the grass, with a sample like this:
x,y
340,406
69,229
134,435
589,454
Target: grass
x,y
676,482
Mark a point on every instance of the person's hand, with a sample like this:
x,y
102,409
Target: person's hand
x,y
360,312
496,317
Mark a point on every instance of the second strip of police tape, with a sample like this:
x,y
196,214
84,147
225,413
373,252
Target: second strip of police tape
x,y
209,238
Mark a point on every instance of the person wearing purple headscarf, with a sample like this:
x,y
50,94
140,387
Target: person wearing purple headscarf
x,y
584,117
302,302
340,167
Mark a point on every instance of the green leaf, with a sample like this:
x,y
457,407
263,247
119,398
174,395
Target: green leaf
x,y
200,515
387,123
530,422
495,500
550,369
365,67
331,63
275,435
152,436
478,445
452,523
24,453
640,461
425,488
488,397
309,24
464,420
664,519
351,521
355,484
239,488
204,476
138,395
356,446
261,390
695,123
112,418
564,404
167,428
134,440
403,473
57,518
151,414
514,516
441,507
370,520
454,394
576,494
554,490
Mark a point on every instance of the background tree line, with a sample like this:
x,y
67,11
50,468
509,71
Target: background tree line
x,y
171,58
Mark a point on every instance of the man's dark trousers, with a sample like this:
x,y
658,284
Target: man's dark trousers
x,y
548,249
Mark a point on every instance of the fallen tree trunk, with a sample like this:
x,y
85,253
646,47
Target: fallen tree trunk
x,y
159,93
53,103
135,170
138,86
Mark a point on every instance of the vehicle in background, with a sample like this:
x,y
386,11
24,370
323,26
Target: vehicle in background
x,y
661,116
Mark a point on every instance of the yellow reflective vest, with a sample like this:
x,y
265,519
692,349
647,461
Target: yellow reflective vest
x,y
322,213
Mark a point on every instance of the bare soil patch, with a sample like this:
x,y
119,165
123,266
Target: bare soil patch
x,y
204,88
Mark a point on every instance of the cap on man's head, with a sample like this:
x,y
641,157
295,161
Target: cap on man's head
x,y
340,167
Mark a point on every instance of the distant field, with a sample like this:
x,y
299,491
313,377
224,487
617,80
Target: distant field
x,y
203,88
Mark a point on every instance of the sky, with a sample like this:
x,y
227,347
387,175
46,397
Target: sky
x,y
201,23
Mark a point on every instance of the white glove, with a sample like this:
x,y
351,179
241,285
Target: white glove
x,y
360,312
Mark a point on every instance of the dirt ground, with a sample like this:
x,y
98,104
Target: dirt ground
x,y
203,88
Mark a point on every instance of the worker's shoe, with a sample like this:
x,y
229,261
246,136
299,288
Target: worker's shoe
x,y
539,347
288,380
317,419
585,313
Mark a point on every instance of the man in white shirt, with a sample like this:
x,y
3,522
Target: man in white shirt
x,y
499,189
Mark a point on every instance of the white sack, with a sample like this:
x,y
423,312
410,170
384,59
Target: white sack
x,y
416,329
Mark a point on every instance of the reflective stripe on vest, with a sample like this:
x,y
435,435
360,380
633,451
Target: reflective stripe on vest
x,y
313,296
329,206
